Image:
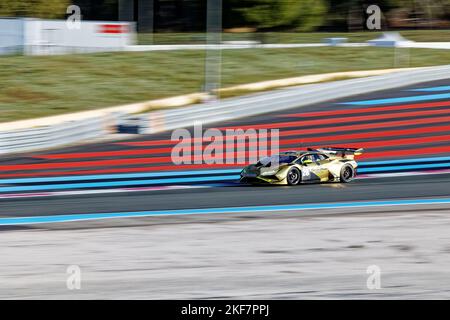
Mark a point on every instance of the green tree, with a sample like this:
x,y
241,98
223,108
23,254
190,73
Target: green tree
x,y
430,8
48,9
303,15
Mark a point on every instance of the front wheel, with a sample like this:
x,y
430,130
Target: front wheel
x,y
293,176
347,173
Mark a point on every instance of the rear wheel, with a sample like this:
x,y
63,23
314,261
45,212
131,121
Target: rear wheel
x,y
293,176
347,173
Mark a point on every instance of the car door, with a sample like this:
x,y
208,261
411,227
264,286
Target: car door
x,y
321,163
310,168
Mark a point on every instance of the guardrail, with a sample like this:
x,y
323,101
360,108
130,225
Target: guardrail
x,y
213,112
282,99
50,136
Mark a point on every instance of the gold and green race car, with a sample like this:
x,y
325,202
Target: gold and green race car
x,y
295,167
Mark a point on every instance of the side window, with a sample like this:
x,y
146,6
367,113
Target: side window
x,y
300,160
320,157
306,157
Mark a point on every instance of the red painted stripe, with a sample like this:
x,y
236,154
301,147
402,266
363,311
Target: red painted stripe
x,y
132,161
393,143
368,110
327,138
355,127
118,153
307,123
439,150
80,164
99,163
145,143
406,153
367,135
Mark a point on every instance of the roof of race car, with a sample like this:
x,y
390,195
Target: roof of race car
x,y
299,153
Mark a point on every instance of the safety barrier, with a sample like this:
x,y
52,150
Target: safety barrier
x,y
51,136
282,99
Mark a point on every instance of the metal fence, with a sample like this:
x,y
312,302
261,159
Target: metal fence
x,y
51,136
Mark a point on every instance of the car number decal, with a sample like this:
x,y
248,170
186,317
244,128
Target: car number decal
x,y
306,173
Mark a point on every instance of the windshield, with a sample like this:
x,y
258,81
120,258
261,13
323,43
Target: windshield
x,y
280,158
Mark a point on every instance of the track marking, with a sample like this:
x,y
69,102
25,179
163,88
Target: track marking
x,y
250,209
387,163
364,175
177,174
300,140
398,100
235,155
101,191
330,121
432,89
372,155
369,110
115,183
353,127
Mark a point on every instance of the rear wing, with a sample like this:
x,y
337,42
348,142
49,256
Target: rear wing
x,y
347,153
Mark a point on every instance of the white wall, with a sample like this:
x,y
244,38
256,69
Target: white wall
x,y
55,37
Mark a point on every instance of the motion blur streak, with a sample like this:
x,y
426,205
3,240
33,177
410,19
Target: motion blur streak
x,y
380,165
353,127
128,161
295,207
401,99
330,121
433,89
370,110
349,136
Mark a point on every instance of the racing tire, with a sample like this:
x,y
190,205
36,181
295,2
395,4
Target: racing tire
x,y
294,176
347,173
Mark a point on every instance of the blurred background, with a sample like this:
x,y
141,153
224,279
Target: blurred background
x,y
48,76
243,15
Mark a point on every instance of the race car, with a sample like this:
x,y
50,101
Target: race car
x,y
296,167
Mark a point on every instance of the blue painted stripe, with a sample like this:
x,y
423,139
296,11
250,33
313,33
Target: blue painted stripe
x,y
400,161
131,183
115,183
189,173
276,208
378,166
399,100
405,167
120,176
432,89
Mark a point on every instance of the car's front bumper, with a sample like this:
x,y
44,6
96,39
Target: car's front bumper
x,y
257,179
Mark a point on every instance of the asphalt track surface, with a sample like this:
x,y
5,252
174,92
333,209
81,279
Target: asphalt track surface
x,y
234,196
404,123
